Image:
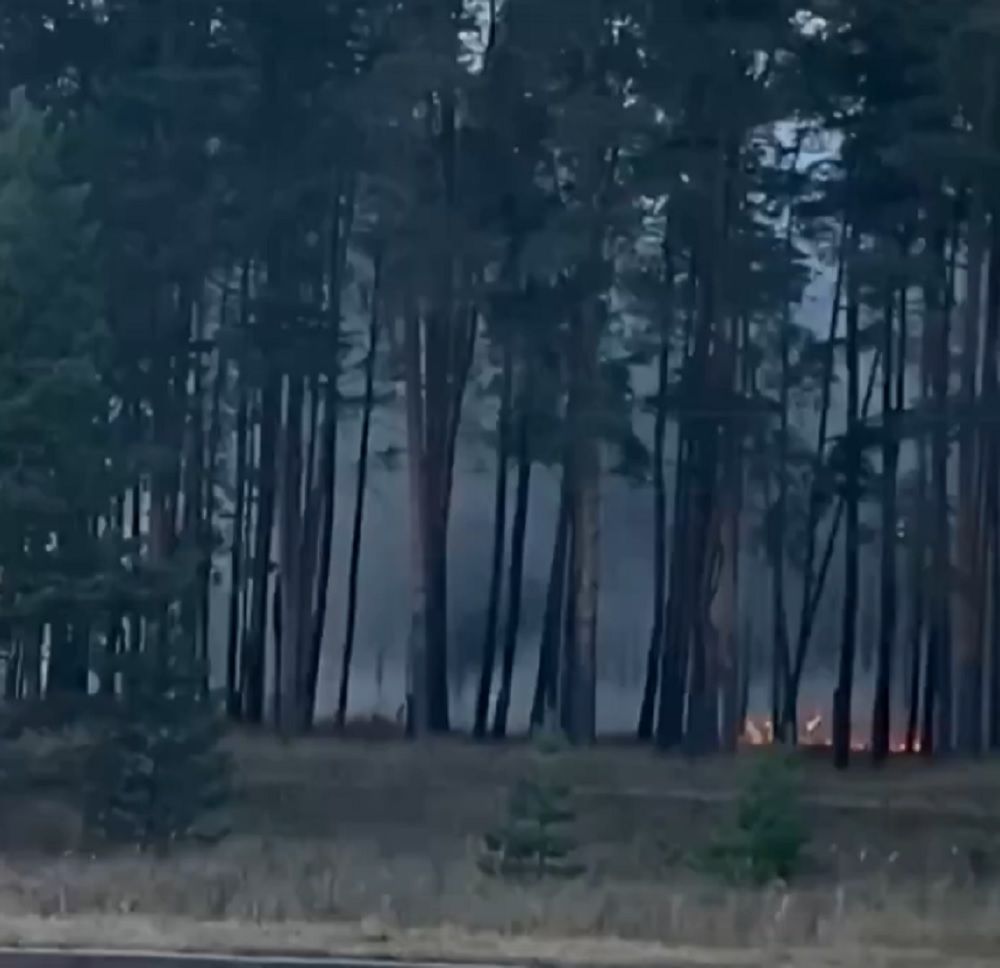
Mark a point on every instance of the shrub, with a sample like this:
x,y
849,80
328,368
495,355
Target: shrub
x,y
768,836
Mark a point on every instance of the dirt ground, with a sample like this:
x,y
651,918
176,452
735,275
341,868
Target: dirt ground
x,y
372,847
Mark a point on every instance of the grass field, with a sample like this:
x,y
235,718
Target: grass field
x,y
372,846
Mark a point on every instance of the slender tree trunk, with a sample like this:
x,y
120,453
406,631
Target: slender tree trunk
x,y
991,468
252,665
882,715
969,624
359,498
586,517
234,697
785,729
810,579
842,718
567,662
674,652
31,663
917,535
417,703
499,544
342,221
936,680
519,531
648,709
544,708
993,505
115,635
290,468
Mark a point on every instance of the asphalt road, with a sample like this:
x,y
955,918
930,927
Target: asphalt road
x,y
90,958
55,958
111,958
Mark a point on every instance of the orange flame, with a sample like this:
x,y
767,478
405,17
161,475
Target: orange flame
x,y
759,731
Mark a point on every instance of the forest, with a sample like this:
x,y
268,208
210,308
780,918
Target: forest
x,y
232,234
284,286
232,231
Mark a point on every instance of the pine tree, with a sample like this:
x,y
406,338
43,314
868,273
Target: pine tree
x,y
536,838
157,775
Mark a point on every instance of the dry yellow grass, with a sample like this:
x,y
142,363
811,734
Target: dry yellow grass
x,y
275,884
370,848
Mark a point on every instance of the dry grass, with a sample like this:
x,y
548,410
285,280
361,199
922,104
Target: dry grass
x,y
353,899
371,847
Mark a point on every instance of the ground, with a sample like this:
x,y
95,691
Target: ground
x,y
372,846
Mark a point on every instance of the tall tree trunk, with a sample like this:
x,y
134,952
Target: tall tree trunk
x,y
340,230
252,664
991,470
811,587
674,653
785,729
567,661
519,531
290,470
417,702
648,709
237,589
499,544
544,707
881,714
586,527
843,694
969,605
359,498
936,680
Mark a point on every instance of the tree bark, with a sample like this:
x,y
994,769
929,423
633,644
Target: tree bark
x,y
882,711
515,587
544,708
341,224
359,498
252,665
646,713
586,527
499,544
843,694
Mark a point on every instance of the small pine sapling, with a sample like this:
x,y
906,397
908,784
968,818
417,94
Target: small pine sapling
x,y
535,840
157,775
768,839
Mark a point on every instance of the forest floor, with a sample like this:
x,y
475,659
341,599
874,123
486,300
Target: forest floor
x,y
371,847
